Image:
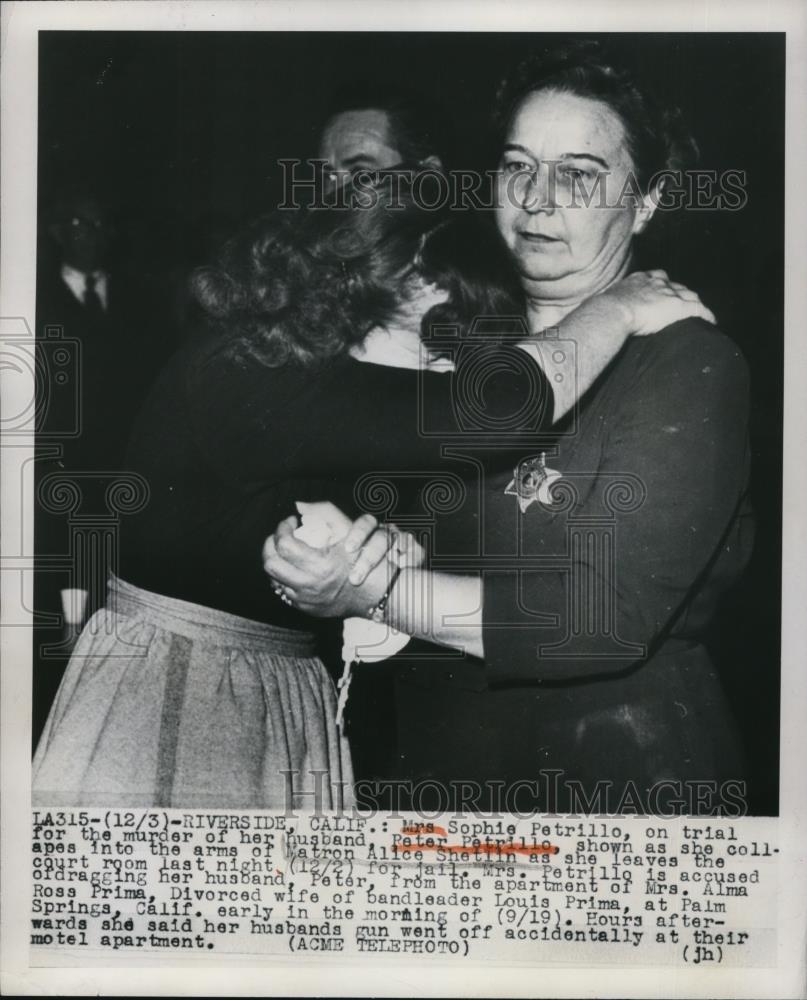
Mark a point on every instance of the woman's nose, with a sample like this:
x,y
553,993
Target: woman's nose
x,y
538,192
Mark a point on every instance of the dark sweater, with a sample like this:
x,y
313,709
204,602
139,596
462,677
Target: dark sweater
x,y
227,446
594,606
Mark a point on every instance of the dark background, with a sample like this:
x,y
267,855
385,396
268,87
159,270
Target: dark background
x,y
180,133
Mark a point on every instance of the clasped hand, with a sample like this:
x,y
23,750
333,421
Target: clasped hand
x,y
345,578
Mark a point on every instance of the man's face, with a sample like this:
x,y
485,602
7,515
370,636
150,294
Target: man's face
x,y
83,234
354,141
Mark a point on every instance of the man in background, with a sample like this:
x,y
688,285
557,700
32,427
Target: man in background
x,y
117,320
370,128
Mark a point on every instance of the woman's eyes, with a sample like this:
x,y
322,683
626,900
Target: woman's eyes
x,y
576,173
562,171
517,167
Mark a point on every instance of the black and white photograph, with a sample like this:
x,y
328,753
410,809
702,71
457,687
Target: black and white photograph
x,y
275,301
405,438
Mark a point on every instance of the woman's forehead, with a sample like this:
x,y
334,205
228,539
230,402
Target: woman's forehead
x,y
552,124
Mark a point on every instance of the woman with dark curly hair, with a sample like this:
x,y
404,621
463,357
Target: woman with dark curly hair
x,y
588,686
197,685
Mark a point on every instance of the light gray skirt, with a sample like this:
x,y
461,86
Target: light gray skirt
x,y
167,703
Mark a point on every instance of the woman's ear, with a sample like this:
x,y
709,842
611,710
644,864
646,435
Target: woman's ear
x,y
647,208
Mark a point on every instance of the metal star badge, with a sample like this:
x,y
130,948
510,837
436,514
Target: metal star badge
x,y
532,482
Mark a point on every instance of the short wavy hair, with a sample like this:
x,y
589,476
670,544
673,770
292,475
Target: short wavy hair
x,y
656,135
418,126
308,285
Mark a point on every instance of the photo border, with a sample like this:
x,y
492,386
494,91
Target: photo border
x,y
20,24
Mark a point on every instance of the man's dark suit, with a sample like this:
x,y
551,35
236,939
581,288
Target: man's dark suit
x,y
121,349
95,366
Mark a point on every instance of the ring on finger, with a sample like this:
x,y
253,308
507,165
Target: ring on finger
x,y
282,592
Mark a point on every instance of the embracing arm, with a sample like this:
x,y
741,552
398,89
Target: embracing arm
x,y
640,304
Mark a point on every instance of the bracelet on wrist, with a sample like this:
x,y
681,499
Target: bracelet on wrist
x,y
378,612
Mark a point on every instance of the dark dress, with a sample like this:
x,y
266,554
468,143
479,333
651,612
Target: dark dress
x,y
596,603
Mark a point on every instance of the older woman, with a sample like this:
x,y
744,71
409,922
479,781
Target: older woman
x,y
587,685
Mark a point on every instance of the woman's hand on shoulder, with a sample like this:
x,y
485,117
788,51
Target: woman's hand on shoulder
x,y
651,301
